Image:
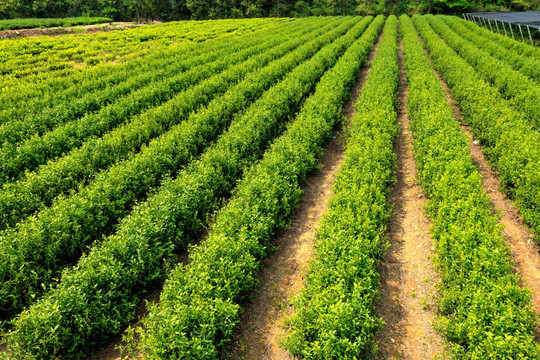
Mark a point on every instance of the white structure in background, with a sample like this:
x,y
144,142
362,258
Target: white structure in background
x,y
529,19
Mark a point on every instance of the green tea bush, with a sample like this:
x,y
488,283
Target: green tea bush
x,y
38,189
59,234
522,92
334,315
97,298
485,313
199,305
526,65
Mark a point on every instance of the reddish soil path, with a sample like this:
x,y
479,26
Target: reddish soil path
x,y
280,279
407,273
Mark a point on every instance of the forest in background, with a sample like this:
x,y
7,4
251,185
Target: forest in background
x,y
167,10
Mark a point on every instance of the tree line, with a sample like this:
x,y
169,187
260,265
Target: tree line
x,y
215,9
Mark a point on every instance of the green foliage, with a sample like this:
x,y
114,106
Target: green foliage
x,y
15,130
133,159
46,66
454,5
15,158
526,65
508,140
198,308
38,189
334,312
68,88
523,92
60,233
371,7
116,272
485,314
517,47
525,5
142,10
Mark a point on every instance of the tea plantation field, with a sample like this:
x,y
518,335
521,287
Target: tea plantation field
x,y
161,163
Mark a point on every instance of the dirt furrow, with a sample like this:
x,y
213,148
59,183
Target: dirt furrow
x,y
407,273
261,323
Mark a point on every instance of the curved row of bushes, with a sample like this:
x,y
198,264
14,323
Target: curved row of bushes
x,y
526,65
38,189
38,123
485,313
508,141
199,305
510,44
37,150
28,59
85,79
334,315
512,85
82,90
20,54
16,128
28,62
34,253
98,297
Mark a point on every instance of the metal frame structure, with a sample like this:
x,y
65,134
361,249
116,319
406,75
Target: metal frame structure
x,y
530,19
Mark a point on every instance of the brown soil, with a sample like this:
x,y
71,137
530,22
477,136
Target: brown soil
x,y
407,273
56,31
281,277
518,236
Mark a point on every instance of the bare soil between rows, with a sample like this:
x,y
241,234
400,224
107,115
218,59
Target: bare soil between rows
x,y
281,277
408,276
